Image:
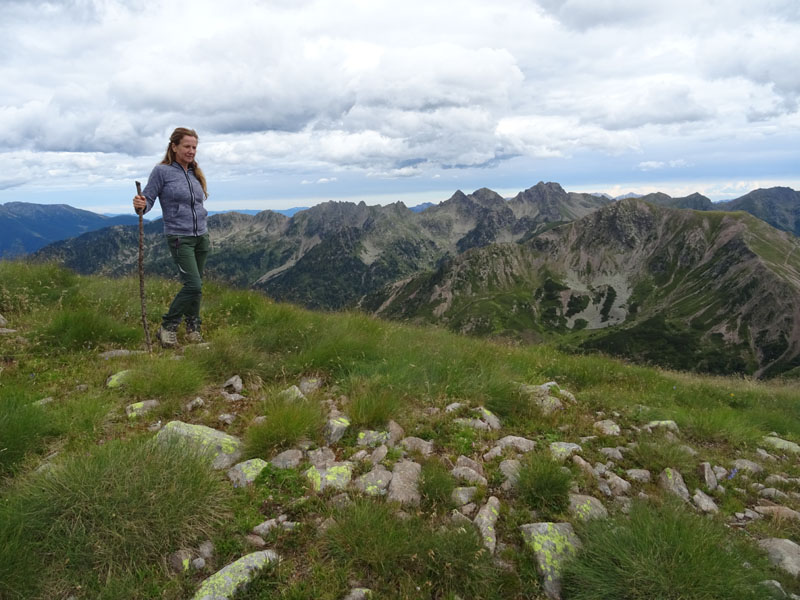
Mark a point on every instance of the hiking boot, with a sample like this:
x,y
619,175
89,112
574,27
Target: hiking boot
x,y
193,335
168,338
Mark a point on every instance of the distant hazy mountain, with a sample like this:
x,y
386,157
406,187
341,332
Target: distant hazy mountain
x,y
421,207
26,227
711,291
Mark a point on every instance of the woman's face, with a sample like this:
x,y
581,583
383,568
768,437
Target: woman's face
x,y
185,150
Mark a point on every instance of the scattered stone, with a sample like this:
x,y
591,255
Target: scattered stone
x,y
373,438
469,509
44,401
774,588
231,397
336,476
773,494
459,518
335,429
670,426
378,454
245,473
773,480
255,540
585,508
309,385
584,466
222,449
485,522
206,550
473,423
719,472
707,476
742,464
291,394
259,420
199,563
234,384
288,459
489,418
782,445
376,482
117,380
640,475
3,321
520,444
617,485
82,387
359,594
612,453
465,461
226,418
453,407
153,427
672,481
118,353
403,487
552,544
322,457
415,444
783,553
6,331
396,433
764,455
778,512
229,580
689,450
607,427
563,450
704,502
359,456
469,475
463,495
180,561
195,404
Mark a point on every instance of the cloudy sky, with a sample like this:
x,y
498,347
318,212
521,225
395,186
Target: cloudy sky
x,y
301,101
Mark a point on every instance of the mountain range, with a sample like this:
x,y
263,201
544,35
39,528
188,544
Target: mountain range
x,y
388,259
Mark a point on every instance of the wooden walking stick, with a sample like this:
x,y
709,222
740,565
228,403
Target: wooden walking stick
x,y
140,212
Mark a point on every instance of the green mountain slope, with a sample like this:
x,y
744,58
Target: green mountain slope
x,y
706,290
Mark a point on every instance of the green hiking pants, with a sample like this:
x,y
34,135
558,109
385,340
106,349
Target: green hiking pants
x,y
189,253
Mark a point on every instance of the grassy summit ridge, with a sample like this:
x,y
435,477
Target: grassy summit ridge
x,y
121,509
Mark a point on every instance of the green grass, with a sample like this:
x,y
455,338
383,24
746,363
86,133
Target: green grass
x,y
659,453
98,518
86,329
542,484
436,485
24,428
163,377
287,422
663,552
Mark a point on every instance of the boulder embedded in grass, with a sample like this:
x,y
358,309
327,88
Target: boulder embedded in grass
x,y
781,444
228,581
783,553
245,473
117,380
552,544
224,450
137,409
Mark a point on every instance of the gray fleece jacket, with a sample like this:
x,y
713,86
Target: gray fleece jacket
x,y
181,196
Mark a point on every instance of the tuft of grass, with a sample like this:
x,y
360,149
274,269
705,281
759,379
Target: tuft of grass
x,y
286,423
84,328
232,351
661,552
102,516
372,402
436,484
25,287
397,554
543,484
165,378
659,453
24,428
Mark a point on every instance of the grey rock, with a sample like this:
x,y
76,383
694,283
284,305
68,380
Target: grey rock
x,y
245,473
764,455
373,438
469,509
612,453
459,518
584,466
222,449
195,404
465,461
485,522
335,428
489,418
671,481
360,455
585,508
667,425
469,475
510,469
6,331
742,464
463,495
783,553
520,444
552,545
781,444
404,485
778,512
228,397
473,423
396,433
704,502
707,476
180,561
199,563
563,450
775,480
378,454
206,550
453,407
322,457
118,353
3,321
255,540
335,475
376,482
619,487
415,444
229,580
640,475
309,385
291,394
226,418
46,401
773,494
719,472
359,594
234,384
607,427
288,459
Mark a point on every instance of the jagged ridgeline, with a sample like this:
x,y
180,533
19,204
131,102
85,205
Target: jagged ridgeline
x,y
711,291
706,291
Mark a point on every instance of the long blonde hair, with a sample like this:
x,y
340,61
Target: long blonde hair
x,y
169,157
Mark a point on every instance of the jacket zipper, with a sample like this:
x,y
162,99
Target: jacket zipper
x,y
191,193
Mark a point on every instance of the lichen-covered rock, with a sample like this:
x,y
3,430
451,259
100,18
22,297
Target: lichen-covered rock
x,y
415,444
180,561
404,485
552,544
222,449
671,481
563,450
309,385
322,457
783,553
137,409
485,522
291,394
231,579
585,508
373,438
288,459
336,476
376,482
335,428
781,444
489,418
119,379
245,473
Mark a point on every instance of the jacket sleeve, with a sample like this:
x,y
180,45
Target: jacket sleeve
x,y
152,190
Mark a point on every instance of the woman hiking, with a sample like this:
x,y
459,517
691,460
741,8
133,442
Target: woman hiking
x,y
180,187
